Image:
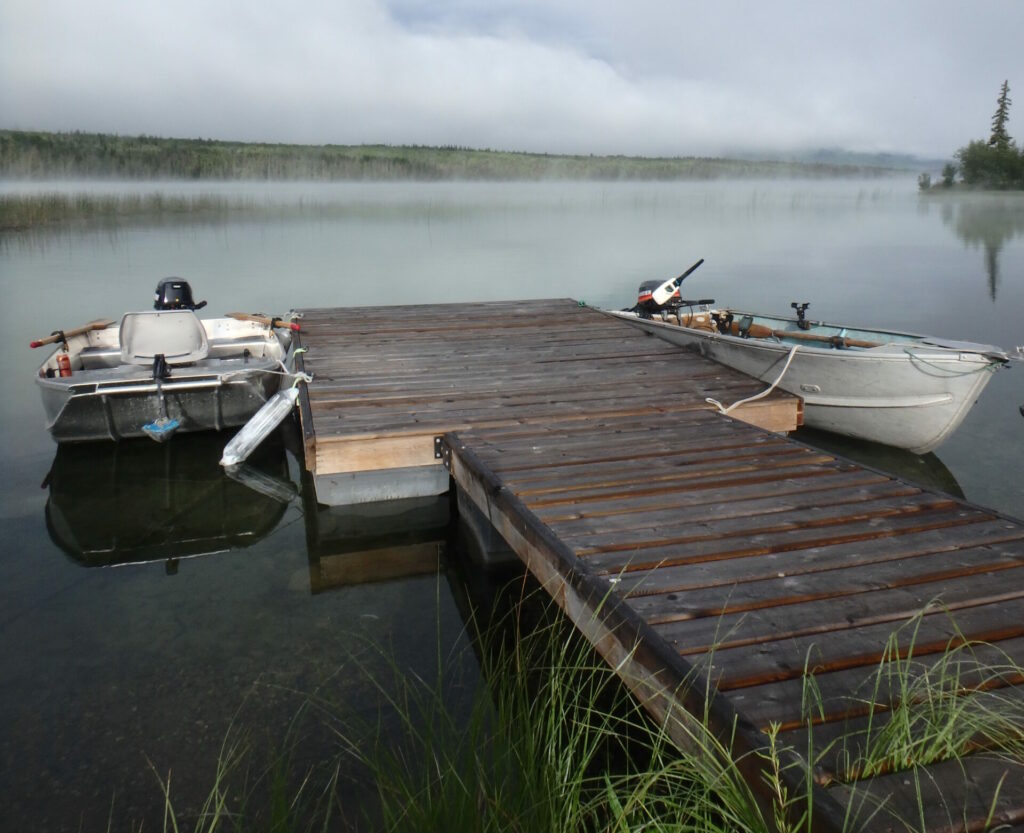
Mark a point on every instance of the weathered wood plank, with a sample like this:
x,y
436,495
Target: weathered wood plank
x,y
702,548
709,630
610,526
610,481
686,530
807,479
842,746
767,472
863,642
791,563
852,692
975,794
845,580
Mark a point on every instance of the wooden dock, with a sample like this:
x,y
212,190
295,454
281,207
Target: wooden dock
x,y
696,552
390,381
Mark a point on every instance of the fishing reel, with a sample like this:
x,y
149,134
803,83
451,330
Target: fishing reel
x,y
723,322
801,313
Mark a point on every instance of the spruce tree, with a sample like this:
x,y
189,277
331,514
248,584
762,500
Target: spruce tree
x,y
1000,138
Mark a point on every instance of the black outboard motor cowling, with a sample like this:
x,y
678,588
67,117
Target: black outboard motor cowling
x,y
645,303
175,293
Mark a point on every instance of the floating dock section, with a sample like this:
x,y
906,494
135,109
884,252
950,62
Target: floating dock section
x,y
390,381
722,569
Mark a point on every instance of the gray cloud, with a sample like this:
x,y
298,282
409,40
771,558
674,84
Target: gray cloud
x,y
651,77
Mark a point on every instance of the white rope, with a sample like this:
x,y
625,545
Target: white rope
x,y
947,372
297,376
723,409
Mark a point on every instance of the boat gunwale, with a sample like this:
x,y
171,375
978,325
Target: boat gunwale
x,y
919,348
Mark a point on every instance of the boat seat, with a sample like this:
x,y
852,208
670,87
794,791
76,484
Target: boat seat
x,y
178,335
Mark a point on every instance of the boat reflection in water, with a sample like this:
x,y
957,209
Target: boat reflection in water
x,y
136,501
924,470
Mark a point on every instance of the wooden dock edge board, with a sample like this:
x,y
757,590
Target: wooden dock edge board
x,y
671,689
341,454
305,411
775,415
338,455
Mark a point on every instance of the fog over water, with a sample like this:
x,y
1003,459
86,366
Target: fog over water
x,y
653,77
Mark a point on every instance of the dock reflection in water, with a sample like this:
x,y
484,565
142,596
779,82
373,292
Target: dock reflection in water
x,y
137,501
374,542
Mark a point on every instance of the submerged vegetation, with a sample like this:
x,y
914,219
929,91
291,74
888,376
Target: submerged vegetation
x,y
41,155
552,741
24,211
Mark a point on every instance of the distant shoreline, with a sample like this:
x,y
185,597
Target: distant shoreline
x,y
34,155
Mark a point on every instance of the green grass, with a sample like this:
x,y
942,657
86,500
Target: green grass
x,y
924,710
550,740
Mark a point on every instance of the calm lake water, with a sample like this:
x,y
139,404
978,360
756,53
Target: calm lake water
x,y
112,676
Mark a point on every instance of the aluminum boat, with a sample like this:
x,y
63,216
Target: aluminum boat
x,y
901,389
161,371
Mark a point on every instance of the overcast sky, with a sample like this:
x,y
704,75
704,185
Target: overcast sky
x,y
649,77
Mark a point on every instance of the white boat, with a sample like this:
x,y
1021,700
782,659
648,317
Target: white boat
x,y
901,389
161,371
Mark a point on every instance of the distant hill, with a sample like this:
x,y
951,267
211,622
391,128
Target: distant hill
x,y
848,158
893,161
41,155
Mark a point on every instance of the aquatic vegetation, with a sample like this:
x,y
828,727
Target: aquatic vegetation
x,y
24,211
550,740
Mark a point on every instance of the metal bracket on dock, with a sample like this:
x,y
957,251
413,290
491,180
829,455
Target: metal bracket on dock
x,y
442,452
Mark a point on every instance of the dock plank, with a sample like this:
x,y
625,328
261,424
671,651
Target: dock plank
x,y
827,697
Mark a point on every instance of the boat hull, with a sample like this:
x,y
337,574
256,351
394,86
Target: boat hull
x,y
906,394
104,399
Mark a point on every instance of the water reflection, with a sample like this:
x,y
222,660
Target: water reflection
x,y
988,222
139,501
925,470
374,542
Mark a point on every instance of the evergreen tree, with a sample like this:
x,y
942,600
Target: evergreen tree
x,y
997,163
1000,138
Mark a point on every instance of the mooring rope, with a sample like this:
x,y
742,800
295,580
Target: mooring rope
x,y
945,372
723,409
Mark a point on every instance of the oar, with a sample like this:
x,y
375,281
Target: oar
x,y
760,331
64,335
266,320
661,295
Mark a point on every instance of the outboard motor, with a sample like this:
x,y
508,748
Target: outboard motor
x,y
175,293
646,306
663,296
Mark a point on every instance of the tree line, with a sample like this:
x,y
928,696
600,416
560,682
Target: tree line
x,y
993,163
44,155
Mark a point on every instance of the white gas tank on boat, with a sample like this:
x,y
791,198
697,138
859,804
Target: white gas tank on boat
x,y
265,420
